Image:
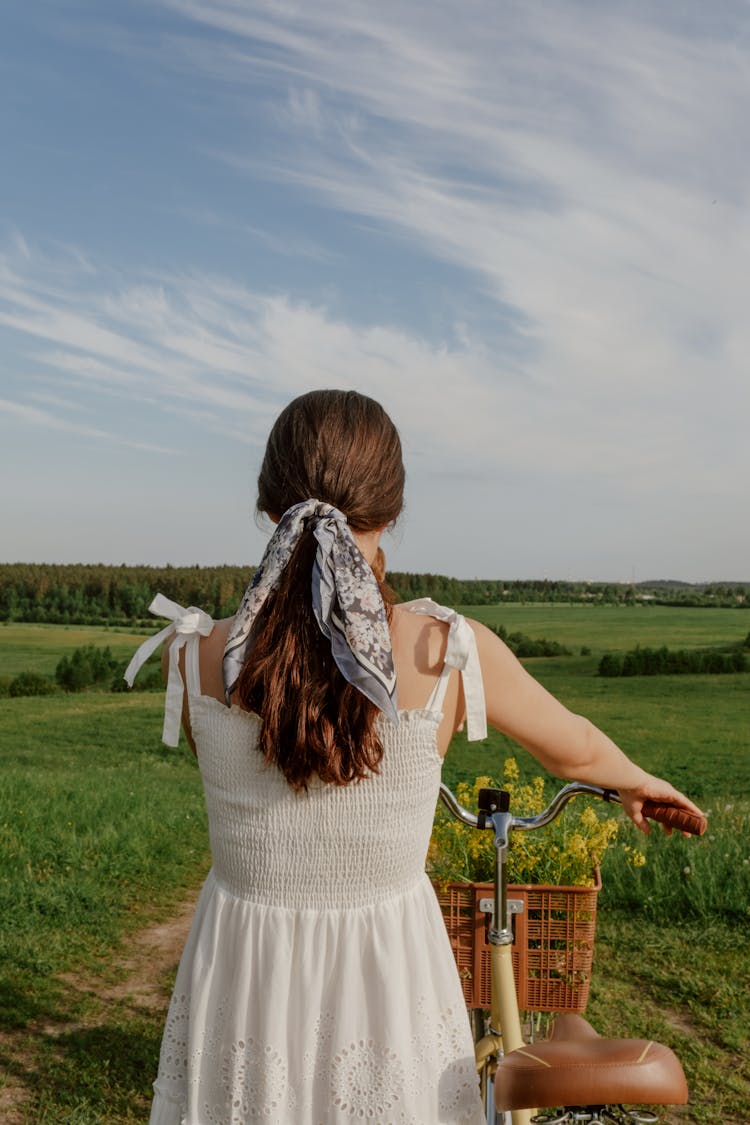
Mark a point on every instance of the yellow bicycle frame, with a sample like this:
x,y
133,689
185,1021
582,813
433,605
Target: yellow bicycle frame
x,y
505,1022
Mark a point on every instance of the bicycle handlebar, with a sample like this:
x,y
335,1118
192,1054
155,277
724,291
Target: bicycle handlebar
x,y
671,815
675,817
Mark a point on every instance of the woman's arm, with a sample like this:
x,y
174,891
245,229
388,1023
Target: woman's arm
x,y
566,744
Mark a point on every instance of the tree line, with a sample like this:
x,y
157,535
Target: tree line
x,y
675,662
98,594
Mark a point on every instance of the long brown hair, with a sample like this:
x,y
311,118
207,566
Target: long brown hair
x,y
342,448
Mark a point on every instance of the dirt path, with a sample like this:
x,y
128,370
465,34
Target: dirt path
x,y
154,950
151,954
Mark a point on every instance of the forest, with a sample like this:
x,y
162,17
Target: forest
x,y
99,594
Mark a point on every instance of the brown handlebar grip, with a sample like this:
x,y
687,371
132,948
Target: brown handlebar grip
x,y
675,817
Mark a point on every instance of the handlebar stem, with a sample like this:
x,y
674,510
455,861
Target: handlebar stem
x,y
501,932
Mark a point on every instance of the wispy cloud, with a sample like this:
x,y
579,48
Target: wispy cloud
x,y
290,246
57,402
598,195
215,350
35,417
223,358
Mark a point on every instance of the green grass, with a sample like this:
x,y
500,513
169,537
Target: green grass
x,y
102,829
89,1075
98,822
609,628
687,986
38,648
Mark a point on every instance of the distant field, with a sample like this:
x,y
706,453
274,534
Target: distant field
x,y
607,628
38,648
692,729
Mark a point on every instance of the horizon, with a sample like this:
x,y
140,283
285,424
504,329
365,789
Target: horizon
x,y
729,582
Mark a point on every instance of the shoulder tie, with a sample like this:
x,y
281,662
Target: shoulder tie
x,y
184,623
462,654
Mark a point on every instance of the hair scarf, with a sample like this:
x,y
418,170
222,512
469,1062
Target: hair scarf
x,y
346,601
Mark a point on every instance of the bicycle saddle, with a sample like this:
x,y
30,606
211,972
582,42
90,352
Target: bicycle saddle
x,y
576,1067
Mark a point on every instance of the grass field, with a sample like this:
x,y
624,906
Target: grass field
x,y
102,831
98,821
609,628
38,648
691,729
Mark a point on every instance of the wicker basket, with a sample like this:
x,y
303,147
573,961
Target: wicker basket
x,y
552,951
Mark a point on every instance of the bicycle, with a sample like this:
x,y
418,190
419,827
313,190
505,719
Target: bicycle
x,y
575,1075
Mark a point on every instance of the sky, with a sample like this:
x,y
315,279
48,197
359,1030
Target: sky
x,y
522,226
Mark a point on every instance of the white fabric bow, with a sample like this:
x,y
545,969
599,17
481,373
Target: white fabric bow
x,y
184,623
462,654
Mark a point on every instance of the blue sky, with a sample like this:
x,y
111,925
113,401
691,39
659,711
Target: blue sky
x,y
521,226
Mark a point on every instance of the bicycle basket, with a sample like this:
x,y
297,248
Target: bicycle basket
x,y
553,948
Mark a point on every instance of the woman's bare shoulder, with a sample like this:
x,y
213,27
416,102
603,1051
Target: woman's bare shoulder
x,y
419,638
211,655
220,631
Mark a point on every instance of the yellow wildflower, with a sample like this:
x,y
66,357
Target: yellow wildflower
x,y
564,853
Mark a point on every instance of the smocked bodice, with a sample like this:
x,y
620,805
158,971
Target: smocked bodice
x,y
331,847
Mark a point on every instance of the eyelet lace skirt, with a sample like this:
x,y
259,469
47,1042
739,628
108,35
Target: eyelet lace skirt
x,y
317,1017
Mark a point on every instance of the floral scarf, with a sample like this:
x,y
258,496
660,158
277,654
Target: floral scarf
x,y
346,601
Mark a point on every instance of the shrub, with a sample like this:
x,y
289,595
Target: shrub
x,y
85,667
30,683
610,665
148,679
524,646
664,662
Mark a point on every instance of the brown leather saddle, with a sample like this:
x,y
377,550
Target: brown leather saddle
x,y
577,1067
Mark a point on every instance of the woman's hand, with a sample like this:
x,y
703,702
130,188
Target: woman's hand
x,y
654,789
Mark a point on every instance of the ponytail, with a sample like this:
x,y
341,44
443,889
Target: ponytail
x,y
312,721
341,448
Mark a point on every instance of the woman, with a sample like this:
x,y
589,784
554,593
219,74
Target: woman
x,y
317,984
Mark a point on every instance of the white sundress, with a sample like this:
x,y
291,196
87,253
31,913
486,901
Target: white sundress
x,y
317,985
